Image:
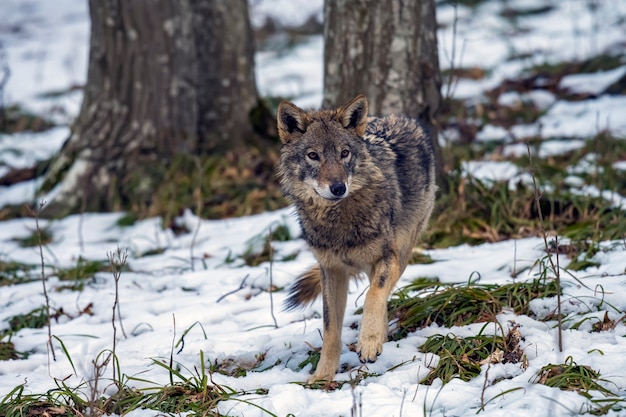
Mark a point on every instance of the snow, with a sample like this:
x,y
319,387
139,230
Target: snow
x,y
540,98
594,83
490,170
202,289
286,13
585,118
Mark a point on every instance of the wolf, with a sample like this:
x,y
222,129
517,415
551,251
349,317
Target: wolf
x,y
363,189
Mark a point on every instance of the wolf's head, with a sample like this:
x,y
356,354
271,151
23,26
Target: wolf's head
x,y
320,149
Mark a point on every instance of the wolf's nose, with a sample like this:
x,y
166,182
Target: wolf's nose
x,y
338,189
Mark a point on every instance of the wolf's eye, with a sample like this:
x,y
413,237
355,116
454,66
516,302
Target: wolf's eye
x,y
313,155
345,153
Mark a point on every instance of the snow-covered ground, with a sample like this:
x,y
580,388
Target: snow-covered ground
x,y
202,285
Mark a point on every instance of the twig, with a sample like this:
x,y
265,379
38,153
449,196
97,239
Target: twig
x,y
43,276
486,380
402,402
452,79
357,403
117,260
241,287
555,268
419,368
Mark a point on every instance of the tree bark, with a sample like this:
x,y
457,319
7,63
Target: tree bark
x,y
388,51
165,78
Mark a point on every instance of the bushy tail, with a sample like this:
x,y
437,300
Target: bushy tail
x,y
305,290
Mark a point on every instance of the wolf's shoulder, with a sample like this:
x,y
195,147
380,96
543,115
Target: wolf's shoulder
x,y
395,129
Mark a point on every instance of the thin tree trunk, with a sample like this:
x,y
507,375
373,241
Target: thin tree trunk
x,y
165,78
388,51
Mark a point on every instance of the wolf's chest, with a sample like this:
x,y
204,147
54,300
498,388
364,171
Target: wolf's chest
x,y
340,231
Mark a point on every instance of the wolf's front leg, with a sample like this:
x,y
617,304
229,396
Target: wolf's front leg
x,y
374,326
334,293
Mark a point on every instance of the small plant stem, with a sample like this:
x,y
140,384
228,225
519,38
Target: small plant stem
x,y
117,260
43,277
555,268
171,367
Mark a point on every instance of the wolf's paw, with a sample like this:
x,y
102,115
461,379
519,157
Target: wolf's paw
x,y
317,379
369,348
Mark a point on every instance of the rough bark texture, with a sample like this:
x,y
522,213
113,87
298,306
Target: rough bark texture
x,y
165,78
388,51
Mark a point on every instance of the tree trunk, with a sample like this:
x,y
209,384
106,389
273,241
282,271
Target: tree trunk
x,y
165,78
388,51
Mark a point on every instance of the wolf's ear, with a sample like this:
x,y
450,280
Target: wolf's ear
x,y
353,115
291,120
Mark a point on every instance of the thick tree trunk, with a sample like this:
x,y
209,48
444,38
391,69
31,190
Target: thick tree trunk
x,y
388,51
165,78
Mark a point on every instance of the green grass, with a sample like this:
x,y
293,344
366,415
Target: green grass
x,y
260,246
15,118
425,301
128,219
600,62
570,376
476,212
33,239
84,269
35,319
187,392
459,357
12,272
216,187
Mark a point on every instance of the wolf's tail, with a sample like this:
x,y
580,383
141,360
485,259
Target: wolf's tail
x,y
305,290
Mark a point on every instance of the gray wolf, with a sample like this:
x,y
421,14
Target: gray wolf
x,y
363,189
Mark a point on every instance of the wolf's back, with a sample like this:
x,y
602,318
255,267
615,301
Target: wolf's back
x,y
412,162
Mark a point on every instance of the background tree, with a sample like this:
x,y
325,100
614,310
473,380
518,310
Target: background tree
x,y
388,51
166,78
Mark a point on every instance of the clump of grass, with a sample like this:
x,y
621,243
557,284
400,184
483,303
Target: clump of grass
x,y
463,357
420,258
12,272
600,62
260,247
195,393
35,319
236,367
8,352
38,318
570,376
460,357
313,358
32,240
236,184
84,269
15,118
477,212
78,275
425,301
128,219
